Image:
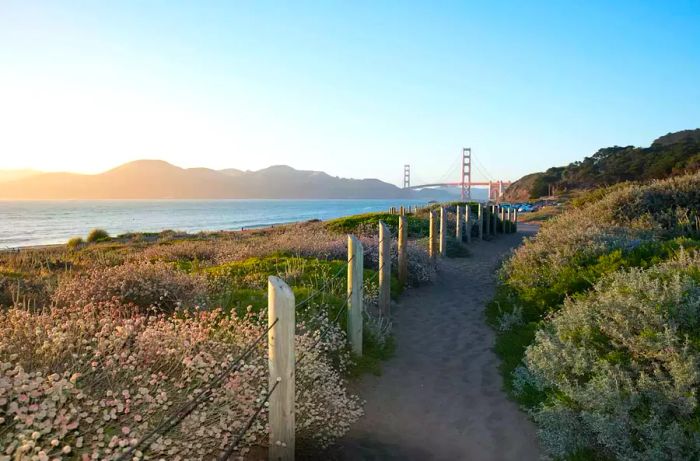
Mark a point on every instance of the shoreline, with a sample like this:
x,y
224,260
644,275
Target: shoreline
x,y
49,225
183,233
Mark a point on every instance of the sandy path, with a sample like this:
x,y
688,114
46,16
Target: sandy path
x,y
440,397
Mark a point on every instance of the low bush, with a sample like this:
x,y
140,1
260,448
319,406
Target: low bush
x,y
621,367
97,235
74,243
148,286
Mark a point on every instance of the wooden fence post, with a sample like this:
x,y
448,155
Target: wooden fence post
x,y
355,287
511,214
458,224
468,222
494,220
443,231
385,269
487,220
281,363
432,236
503,220
515,221
403,250
480,221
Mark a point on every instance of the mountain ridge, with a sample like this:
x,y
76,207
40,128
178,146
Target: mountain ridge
x,y
158,179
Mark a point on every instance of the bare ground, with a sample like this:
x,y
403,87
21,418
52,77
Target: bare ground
x,y
440,397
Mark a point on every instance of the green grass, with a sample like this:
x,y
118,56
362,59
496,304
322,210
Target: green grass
x,y
10,273
417,227
243,284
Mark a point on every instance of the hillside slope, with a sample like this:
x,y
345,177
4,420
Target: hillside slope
x,y
669,155
13,175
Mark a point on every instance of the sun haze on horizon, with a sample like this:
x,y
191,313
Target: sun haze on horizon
x,y
354,89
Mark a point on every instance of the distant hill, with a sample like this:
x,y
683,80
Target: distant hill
x,y
12,175
156,179
669,155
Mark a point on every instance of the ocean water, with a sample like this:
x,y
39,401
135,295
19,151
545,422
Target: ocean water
x,y
25,223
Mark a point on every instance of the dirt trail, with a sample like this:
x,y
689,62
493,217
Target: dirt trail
x,y
440,397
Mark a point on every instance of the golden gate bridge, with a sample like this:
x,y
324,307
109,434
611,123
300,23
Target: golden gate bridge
x,y
495,187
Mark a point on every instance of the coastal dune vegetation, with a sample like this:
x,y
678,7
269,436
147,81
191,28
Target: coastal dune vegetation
x,y
102,339
597,321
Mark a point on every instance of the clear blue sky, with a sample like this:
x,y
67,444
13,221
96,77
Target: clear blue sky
x,y
355,88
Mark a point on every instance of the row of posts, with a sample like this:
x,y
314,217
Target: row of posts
x,y
486,219
281,305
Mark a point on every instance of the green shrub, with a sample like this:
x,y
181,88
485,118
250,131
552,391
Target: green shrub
x,y
621,367
577,300
74,243
97,235
623,219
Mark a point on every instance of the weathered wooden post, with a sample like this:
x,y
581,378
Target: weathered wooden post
x,y
496,229
403,250
503,221
494,220
480,219
468,222
458,224
432,236
487,220
281,364
402,211
443,231
355,287
511,214
384,269
515,221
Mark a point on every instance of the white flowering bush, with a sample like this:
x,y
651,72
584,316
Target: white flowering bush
x,y
89,382
147,285
621,366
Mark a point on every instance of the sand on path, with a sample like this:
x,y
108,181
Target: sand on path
x,y
440,397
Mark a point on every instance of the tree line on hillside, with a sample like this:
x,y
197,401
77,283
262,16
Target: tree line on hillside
x,y
669,155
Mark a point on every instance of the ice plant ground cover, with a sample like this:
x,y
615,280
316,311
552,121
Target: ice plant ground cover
x,y
100,341
597,319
